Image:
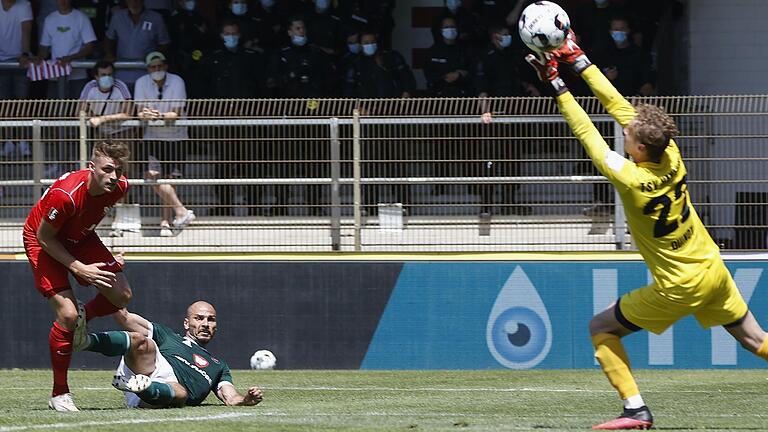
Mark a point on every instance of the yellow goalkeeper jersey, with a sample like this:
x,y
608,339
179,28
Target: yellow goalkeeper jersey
x,y
669,234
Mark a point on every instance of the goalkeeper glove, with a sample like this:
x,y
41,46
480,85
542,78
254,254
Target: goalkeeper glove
x,y
545,66
571,54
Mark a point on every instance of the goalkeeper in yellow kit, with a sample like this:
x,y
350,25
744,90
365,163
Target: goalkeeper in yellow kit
x,y
689,276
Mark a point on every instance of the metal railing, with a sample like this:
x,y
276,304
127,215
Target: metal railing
x,y
391,175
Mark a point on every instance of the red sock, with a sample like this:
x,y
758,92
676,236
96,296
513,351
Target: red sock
x,y
99,306
60,344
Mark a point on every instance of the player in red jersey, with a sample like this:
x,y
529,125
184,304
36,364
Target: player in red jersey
x,y
59,239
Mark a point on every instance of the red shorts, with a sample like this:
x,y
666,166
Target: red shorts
x,y
51,276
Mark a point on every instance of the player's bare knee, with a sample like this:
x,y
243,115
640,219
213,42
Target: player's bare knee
x,y
124,294
139,343
67,317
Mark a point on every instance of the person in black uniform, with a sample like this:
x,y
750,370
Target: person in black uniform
x,y
231,71
325,28
497,75
448,64
303,71
380,73
191,41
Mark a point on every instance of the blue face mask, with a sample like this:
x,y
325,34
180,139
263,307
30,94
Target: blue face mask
x,y
354,48
189,5
600,3
322,5
239,8
450,33
369,49
506,40
230,41
619,36
106,81
299,40
452,4
266,4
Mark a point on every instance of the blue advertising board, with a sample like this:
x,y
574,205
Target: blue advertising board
x,y
523,315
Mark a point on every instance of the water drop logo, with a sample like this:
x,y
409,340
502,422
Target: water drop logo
x,y
519,333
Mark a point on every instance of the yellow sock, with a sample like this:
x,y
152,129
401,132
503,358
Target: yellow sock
x,y
610,353
763,350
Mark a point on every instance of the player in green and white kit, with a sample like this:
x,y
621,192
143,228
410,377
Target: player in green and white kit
x,y
161,368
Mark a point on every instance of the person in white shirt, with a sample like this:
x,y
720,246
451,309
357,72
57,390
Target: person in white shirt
x,y
15,42
16,37
106,101
162,96
67,35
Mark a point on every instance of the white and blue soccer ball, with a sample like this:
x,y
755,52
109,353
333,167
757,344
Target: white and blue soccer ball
x,y
544,26
263,359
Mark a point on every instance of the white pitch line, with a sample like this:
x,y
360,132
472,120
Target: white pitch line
x,y
123,422
430,389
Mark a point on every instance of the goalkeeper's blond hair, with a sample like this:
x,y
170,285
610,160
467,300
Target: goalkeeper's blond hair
x,y
654,128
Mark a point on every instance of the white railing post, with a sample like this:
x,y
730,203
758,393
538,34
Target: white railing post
x,y
335,185
356,193
83,141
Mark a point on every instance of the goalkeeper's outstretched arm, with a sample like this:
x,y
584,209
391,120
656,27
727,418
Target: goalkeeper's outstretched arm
x,y
616,105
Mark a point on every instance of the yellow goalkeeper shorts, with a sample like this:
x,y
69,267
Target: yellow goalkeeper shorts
x,y
714,301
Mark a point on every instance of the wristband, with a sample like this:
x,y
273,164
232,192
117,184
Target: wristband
x,y
559,86
581,63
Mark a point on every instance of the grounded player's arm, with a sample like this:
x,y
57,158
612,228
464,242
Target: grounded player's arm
x,y
132,322
230,396
91,273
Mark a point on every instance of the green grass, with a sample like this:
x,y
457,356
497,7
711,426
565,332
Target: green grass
x,y
727,400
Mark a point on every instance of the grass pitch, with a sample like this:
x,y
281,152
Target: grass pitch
x,y
727,400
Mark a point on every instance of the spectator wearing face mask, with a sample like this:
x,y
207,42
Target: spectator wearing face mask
x,y
497,74
626,65
192,41
448,64
380,73
351,51
301,70
232,71
161,95
106,101
467,25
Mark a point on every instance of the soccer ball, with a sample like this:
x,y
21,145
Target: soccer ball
x,y
263,359
544,26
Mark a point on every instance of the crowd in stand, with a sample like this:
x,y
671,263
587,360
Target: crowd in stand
x,y
294,49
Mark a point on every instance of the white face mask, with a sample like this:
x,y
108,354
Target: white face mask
x,y
299,40
157,75
106,82
370,49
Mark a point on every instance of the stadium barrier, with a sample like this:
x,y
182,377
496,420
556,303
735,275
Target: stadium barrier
x,y
386,175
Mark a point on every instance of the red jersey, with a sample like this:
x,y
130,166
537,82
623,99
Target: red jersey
x,y
68,206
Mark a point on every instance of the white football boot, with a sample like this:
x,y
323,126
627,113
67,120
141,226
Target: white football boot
x,y
63,402
135,384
